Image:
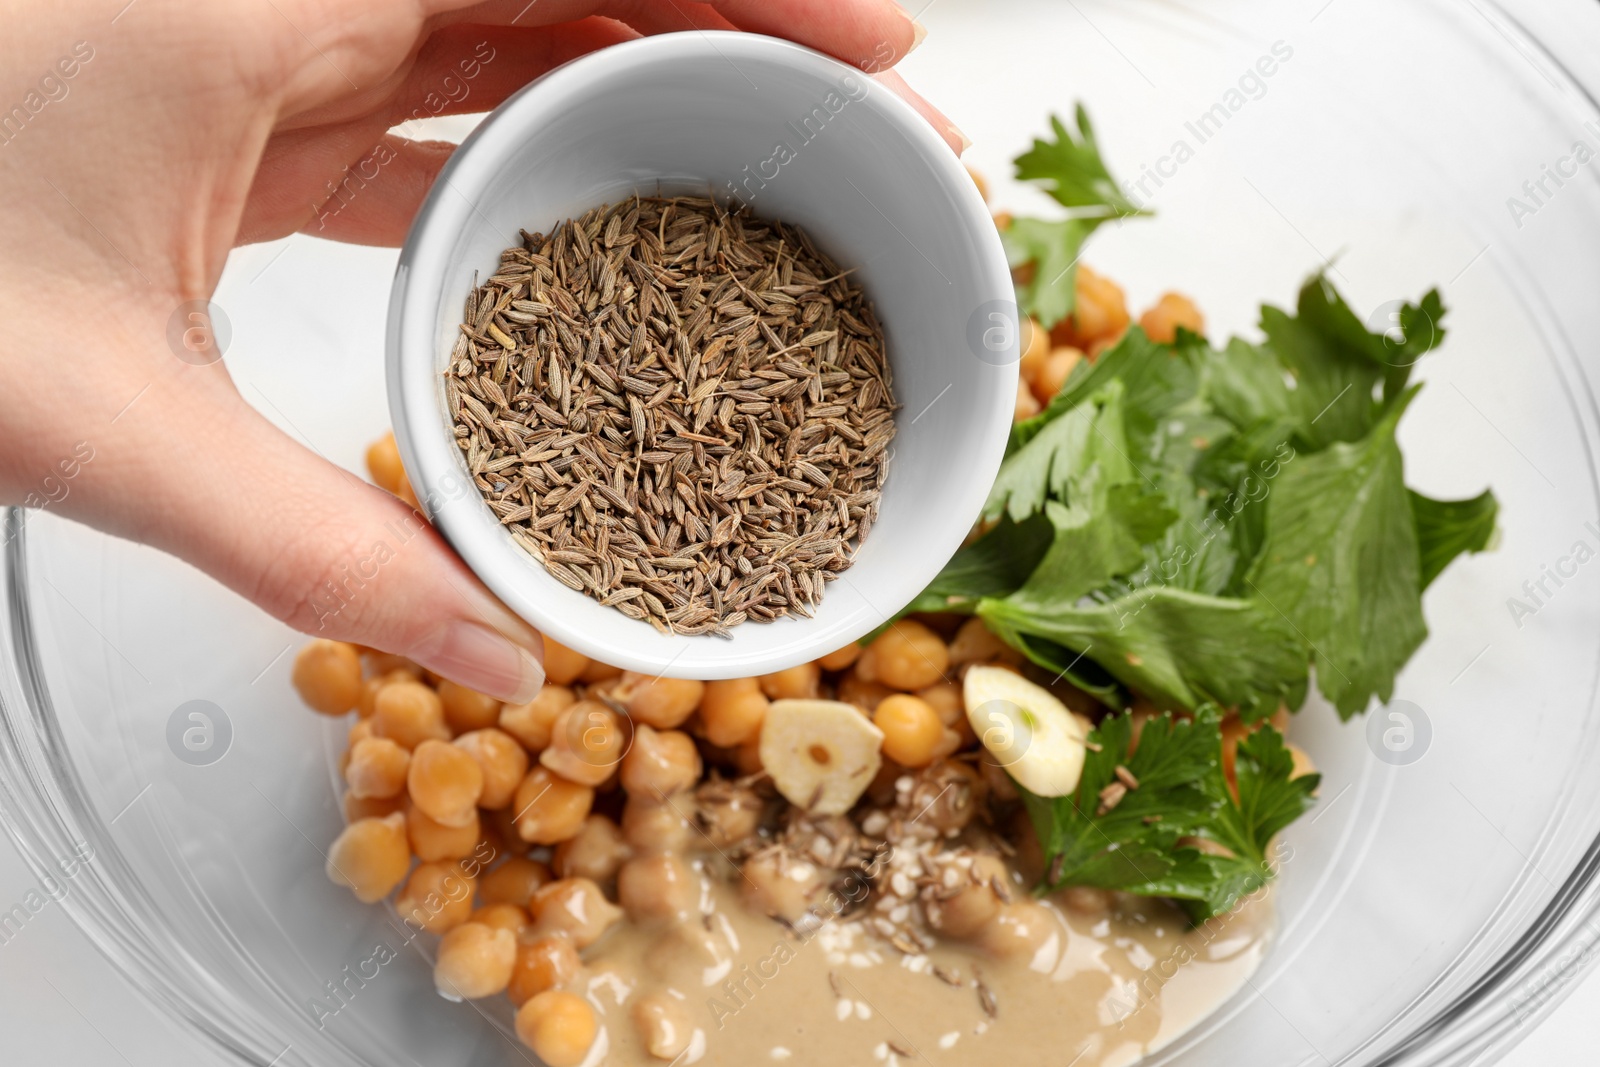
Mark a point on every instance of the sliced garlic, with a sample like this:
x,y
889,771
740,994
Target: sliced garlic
x,y
1026,729
821,754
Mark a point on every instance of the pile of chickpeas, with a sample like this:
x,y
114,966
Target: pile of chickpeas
x,y
520,833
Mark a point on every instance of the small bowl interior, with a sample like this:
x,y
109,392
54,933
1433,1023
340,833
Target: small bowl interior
x,y
797,136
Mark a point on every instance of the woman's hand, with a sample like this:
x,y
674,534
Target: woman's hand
x,y
140,143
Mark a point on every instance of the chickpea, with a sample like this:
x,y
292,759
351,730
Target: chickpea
x,y
361,731
586,744
562,665
383,463
445,782
1021,929
779,883
660,702
358,808
327,675
550,809
1096,348
1302,762
728,813
974,642
906,656
511,917
548,962
1085,900
370,857
369,694
467,709
946,796
374,685
853,689
974,904
983,191
606,692
840,658
513,881
409,713
1173,310
1058,367
558,1026
475,961
594,852
797,683
575,907
663,1024
660,763
1102,308
376,768
597,672
732,711
1035,347
437,897
659,889
1027,404
432,840
947,702
531,723
502,760
650,826
912,732
747,758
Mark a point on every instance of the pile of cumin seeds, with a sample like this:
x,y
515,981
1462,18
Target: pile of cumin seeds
x,y
680,410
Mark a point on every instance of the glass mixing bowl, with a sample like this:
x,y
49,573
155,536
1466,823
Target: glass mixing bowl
x,y
1437,901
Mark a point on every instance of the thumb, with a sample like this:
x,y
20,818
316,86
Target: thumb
x,y
304,539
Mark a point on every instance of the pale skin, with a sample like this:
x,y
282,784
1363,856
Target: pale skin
x,y
194,128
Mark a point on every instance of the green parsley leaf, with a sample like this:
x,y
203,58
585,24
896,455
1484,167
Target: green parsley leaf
x,y
1073,172
1338,364
1052,248
995,564
1447,528
1086,445
1179,648
1341,564
1132,845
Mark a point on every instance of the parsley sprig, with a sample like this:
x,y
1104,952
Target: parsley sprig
x,y
1068,167
1146,842
1203,526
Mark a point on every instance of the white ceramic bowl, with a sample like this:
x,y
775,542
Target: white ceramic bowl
x,y
864,174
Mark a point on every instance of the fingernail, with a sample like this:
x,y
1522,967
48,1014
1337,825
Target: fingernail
x,y
966,142
477,657
919,33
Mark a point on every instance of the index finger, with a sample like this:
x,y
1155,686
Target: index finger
x,y
873,35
